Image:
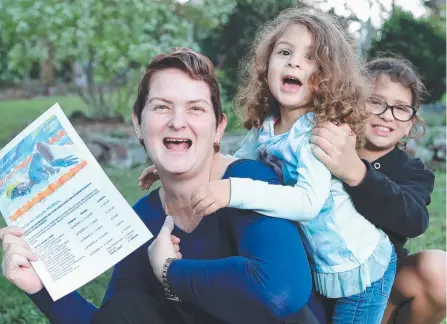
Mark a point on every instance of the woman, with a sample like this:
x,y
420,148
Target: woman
x,y
234,267
391,189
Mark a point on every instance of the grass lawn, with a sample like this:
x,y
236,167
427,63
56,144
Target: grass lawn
x,y
15,308
17,114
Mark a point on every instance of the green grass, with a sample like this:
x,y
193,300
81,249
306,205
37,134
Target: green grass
x,y
16,308
17,114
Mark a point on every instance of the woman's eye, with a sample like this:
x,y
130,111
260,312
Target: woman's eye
x,y
195,108
160,107
284,52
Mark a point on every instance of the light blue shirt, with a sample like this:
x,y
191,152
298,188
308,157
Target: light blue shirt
x,y
347,252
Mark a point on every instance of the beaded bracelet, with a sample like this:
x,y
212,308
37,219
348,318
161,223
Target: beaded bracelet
x,y
169,295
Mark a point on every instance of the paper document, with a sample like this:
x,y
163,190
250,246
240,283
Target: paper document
x,y
74,217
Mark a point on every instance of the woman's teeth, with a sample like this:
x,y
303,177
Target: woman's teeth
x,y
177,143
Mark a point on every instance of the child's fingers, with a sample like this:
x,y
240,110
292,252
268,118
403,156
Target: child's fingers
x,y
197,198
336,130
200,208
147,172
209,210
321,155
323,144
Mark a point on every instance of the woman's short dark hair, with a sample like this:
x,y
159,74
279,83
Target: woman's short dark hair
x,y
196,65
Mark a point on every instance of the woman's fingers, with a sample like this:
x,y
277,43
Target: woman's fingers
x,y
175,239
9,239
176,248
15,249
12,230
178,255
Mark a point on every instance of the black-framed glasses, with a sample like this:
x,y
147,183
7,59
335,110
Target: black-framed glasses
x,y
400,112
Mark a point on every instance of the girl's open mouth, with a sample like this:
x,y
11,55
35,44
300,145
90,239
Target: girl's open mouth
x,y
291,84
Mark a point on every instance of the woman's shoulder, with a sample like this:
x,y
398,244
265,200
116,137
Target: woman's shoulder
x,y
253,169
150,210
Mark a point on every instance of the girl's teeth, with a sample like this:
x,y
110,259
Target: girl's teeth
x,y
385,129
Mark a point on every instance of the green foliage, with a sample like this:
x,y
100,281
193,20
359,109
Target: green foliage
x,y
228,43
111,40
419,41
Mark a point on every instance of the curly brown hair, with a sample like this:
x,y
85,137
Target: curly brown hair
x,y
340,86
402,71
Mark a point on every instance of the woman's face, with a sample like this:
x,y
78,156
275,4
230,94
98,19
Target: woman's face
x,y
178,124
383,132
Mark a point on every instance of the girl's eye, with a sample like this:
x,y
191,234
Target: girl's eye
x,y
375,101
308,56
284,52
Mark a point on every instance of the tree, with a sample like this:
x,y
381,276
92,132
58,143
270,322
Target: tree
x,y
418,41
109,41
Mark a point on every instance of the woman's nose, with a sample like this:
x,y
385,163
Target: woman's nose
x,y
178,119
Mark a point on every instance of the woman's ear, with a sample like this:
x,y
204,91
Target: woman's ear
x,y
136,126
221,129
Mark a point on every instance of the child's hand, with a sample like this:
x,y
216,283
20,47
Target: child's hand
x,y
147,178
336,149
211,197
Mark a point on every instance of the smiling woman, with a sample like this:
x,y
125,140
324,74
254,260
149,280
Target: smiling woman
x,y
179,126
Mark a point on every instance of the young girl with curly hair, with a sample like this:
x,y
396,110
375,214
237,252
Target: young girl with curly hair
x,y
303,70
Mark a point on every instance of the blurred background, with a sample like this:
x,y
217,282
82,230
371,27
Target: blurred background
x,y
88,55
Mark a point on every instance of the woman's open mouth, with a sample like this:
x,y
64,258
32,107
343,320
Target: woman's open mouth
x,y
177,144
291,84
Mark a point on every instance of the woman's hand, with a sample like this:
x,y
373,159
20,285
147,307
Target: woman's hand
x,y
211,197
335,147
16,266
148,177
165,246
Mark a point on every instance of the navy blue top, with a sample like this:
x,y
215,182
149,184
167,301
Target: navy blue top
x,y
238,266
394,196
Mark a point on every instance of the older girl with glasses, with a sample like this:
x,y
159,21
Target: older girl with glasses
x,y
391,189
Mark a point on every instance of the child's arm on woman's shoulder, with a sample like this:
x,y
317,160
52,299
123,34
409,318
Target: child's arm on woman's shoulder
x,y
302,202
